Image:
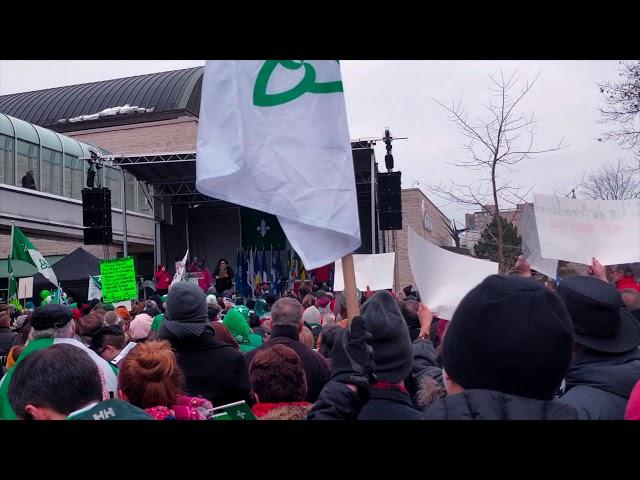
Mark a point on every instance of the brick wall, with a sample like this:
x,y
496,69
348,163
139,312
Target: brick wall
x,y
412,216
176,135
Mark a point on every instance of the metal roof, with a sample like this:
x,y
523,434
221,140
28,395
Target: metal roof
x,y
177,90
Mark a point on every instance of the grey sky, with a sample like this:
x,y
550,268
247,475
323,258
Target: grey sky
x,y
398,94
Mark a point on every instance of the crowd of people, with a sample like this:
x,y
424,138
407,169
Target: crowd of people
x,y
514,349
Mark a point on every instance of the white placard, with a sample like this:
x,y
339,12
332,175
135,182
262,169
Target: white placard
x,y
375,271
531,245
25,287
443,277
577,230
126,303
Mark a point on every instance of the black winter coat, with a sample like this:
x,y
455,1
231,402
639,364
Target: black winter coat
x,y
338,402
598,385
7,340
213,369
492,405
315,365
389,405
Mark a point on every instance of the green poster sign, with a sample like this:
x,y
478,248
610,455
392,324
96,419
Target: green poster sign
x,y
261,230
118,280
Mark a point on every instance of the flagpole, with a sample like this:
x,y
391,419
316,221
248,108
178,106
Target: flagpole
x,y
349,292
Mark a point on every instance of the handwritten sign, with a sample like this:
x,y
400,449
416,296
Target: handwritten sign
x,y
375,271
577,230
118,280
444,277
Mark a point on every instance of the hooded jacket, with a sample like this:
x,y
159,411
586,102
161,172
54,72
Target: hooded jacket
x,y
598,385
213,369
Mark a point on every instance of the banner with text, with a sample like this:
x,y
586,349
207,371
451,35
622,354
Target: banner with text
x,y
577,230
118,280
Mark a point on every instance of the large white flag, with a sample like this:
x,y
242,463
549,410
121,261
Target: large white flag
x,y
273,136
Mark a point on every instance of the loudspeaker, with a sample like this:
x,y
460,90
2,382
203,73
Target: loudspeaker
x,y
389,201
98,236
96,216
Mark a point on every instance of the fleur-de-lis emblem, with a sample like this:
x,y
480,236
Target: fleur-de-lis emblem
x,y
263,228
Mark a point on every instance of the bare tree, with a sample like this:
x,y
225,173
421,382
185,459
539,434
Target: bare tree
x,y
613,181
494,144
622,100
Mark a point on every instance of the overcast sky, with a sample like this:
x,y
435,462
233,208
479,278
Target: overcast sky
x,y
398,95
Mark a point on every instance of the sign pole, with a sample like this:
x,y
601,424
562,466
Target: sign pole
x,y
349,293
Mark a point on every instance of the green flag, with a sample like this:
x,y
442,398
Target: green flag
x,y
23,249
261,230
13,285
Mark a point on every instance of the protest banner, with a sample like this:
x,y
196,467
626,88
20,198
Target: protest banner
x,y
25,287
118,280
578,230
374,271
444,278
531,245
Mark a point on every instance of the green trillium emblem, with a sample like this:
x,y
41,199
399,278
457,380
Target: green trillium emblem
x,y
308,83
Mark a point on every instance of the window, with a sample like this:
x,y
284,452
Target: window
x,y
51,175
27,159
6,160
130,191
73,177
112,181
143,204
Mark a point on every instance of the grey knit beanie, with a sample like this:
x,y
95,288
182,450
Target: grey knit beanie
x,y
187,303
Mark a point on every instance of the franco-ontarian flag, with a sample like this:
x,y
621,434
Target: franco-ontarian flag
x,y
23,249
273,136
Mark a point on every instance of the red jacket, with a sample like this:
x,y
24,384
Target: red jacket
x,y
163,279
627,282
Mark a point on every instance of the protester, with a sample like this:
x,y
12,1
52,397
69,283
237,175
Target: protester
x,y
63,382
53,324
223,275
212,307
631,299
88,325
28,181
163,280
409,310
606,360
306,337
278,380
112,318
240,330
140,327
213,369
327,339
505,354
224,334
151,379
623,278
8,338
633,405
108,342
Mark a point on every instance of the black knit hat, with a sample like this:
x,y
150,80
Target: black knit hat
x,y
187,303
51,316
392,350
599,319
512,335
